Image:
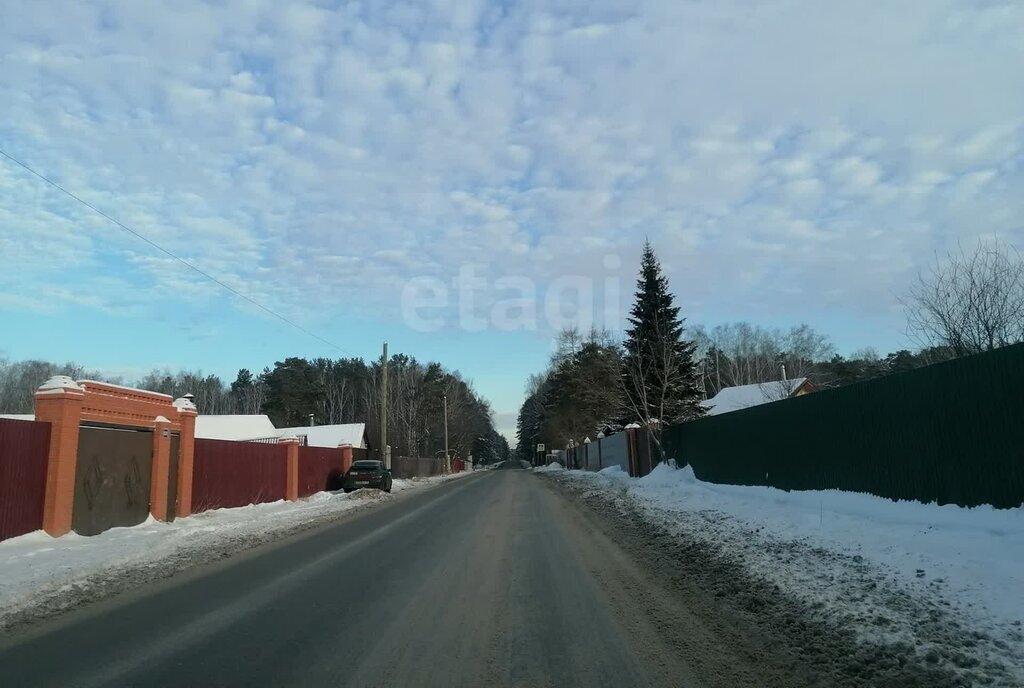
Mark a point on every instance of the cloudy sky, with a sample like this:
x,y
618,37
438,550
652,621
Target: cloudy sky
x,y
340,162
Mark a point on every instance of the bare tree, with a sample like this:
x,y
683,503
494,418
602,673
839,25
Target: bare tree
x,y
19,381
744,354
969,302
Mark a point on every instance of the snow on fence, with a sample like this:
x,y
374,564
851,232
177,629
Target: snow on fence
x,y
228,473
24,451
951,433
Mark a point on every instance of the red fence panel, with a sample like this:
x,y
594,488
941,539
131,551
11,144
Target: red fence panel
x,y
24,450
320,468
229,474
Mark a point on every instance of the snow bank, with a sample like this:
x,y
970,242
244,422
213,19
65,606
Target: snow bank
x,y
812,543
978,553
553,467
36,566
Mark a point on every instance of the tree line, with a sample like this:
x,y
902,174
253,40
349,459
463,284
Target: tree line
x,y
964,304
334,391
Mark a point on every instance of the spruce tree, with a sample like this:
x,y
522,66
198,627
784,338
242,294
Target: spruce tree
x,y
659,376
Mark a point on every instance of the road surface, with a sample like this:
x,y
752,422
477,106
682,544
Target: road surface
x,y
492,580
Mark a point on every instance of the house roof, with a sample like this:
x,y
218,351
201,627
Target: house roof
x,y
745,396
229,427
329,435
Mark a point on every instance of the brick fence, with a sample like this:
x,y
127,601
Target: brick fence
x,y
99,456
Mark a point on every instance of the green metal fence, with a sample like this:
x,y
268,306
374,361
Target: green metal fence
x,y
951,433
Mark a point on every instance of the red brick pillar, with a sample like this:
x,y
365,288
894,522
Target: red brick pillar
x,y
161,477
291,444
59,403
186,455
346,457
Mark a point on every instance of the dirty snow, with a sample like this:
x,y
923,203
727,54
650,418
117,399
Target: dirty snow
x,y
553,467
894,571
41,575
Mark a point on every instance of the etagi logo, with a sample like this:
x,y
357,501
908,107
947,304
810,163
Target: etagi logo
x,y
515,302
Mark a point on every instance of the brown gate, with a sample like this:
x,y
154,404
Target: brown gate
x,y
112,480
172,482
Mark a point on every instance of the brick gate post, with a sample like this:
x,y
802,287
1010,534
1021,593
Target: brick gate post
x,y
291,492
59,402
346,457
161,476
186,454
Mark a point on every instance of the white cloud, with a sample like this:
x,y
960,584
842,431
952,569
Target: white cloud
x,y
856,174
299,152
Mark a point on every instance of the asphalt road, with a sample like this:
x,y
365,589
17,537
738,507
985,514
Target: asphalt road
x,y
492,580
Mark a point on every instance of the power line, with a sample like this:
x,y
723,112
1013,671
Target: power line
x,y
181,260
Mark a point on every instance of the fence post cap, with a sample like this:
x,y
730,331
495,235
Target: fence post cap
x,y
344,444
586,440
161,419
289,439
633,426
183,404
58,384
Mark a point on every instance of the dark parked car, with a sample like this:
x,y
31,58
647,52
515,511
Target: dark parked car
x,y
367,474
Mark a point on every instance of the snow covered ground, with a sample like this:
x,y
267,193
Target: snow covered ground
x,y
897,572
52,574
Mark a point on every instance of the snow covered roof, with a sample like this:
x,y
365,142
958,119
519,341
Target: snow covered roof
x,y
745,396
228,427
329,435
18,416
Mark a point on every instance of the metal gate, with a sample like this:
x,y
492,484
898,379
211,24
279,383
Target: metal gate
x,y
112,480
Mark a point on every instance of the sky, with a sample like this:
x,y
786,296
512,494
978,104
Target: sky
x,y
464,178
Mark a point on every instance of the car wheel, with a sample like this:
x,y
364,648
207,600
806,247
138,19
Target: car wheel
x,y
387,487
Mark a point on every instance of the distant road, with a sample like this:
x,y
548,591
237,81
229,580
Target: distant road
x,y
492,580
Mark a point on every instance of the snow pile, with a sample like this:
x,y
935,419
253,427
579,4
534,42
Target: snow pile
x,y
853,554
36,569
553,467
402,484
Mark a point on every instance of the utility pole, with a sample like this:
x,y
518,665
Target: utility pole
x,y
447,461
384,410
703,376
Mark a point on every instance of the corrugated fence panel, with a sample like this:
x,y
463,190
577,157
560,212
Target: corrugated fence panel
x,y
24,451
416,467
615,451
951,433
229,474
320,468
